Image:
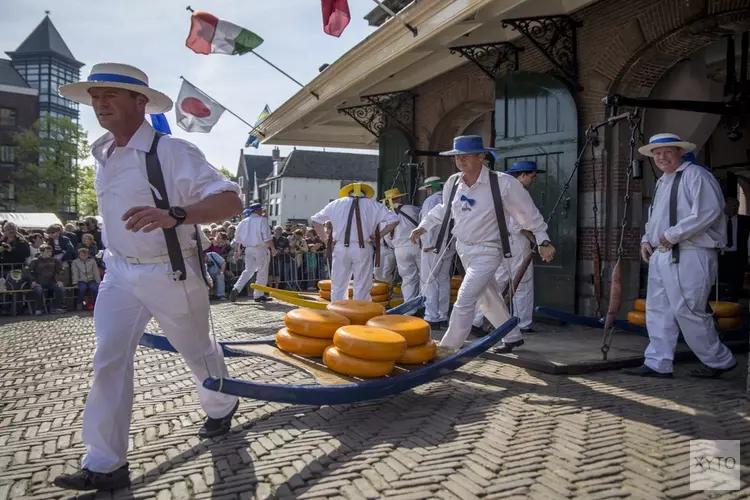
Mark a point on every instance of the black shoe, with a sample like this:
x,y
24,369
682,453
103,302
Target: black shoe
x,y
434,325
233,295
645,371
214,427
478,331
507,347
708,372
528,330
263,299
444,324
85,480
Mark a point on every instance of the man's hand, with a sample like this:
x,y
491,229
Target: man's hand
x,y
60,283
547,253
663,241
646,251
148,219
416,233
33,284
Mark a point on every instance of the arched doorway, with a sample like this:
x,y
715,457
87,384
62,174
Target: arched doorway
x,y
536,119
393,143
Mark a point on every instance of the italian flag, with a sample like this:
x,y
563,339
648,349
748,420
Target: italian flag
x,y
210,35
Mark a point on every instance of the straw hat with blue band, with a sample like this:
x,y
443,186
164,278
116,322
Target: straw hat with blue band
x,y
357,189
663,140
467,145
521,167
121,76
254,207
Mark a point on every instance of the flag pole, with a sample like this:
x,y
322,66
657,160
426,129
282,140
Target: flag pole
x,y
226,108
396,16
272,65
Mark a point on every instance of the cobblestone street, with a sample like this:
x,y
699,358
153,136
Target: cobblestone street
x,y
490,430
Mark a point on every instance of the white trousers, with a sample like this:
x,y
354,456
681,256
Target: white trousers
x,y
408,260
436,289
477,287
256,260
129,296
676,300
385,271
348,262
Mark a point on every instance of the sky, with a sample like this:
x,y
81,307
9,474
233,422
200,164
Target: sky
x,y
150,34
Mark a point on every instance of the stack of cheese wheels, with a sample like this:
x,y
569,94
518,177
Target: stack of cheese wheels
x,y
309,331
358,312
420,348
324,289
727,315
455,285
378,292
364,351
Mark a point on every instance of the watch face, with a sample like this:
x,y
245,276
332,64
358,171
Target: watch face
x,y
179,212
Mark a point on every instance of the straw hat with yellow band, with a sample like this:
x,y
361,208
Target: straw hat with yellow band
x,y
357,189
390,195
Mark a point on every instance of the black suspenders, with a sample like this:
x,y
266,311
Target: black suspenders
x,y
354,211
673,213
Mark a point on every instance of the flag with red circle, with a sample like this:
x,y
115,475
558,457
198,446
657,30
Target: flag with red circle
x,y
195,111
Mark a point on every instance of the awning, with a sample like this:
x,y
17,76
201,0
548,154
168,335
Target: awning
x,y
30,220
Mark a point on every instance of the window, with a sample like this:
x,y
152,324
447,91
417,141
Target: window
x,y
7,154
7,117
241,181
7,197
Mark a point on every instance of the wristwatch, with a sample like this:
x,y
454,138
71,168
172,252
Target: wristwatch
x,y
178,214
545,243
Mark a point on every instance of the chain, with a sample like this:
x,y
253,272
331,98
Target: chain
x,y
635,125
566,186
594,134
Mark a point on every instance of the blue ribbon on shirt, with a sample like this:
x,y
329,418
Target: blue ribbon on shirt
x,y
468,200
160,124
692,159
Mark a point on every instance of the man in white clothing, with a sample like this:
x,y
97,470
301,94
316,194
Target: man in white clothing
x,y
481,236
407,253
435,270
680,246
254,234
154,266
387,269
354,218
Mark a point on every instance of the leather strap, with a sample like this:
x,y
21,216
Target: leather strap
x,y
447,226
354,210
329,249
377,245
673,213
500,213
358,216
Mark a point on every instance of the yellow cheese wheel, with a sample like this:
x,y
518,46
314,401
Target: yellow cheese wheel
x,y
324,285
358,311
378,289
380,298
725,309
325,294
728,323
366,342
314,323
640,305
298,344
416,331
637,317
419,354
355,367
456,282
396,302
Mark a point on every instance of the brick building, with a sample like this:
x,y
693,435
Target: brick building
x,y
530,77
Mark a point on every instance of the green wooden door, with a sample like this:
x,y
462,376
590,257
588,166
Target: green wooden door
x,y
536,119
393,144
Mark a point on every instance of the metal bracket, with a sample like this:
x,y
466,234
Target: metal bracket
x,y
381,110
555,37
482,55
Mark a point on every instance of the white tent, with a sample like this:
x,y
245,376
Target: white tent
x,y
30,220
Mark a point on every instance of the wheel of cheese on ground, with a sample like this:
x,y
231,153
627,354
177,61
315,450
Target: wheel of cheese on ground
x,y
358,311
396,302
725,309
378,289
728,323
299,344
640,305
325,294
314,323
416,331
419,354
456,282
324,285
637,317
355,367
380,298
366,342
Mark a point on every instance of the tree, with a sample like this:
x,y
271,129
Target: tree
x,y
47,175
87,204
228,174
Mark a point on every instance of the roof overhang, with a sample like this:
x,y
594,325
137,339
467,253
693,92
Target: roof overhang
x,y
392,59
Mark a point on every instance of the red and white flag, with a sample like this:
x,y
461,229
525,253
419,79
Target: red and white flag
x,y
195,111
336,16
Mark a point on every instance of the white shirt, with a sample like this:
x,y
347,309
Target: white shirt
x,y
122,183
700,210
478,224
372,213
253,231
429,239
400,235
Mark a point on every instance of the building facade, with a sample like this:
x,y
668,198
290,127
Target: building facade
x,y
252,171
42,62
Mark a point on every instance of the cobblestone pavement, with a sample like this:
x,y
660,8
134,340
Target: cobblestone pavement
x,y
490,430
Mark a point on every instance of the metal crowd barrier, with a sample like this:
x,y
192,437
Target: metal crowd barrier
x,y
299,272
